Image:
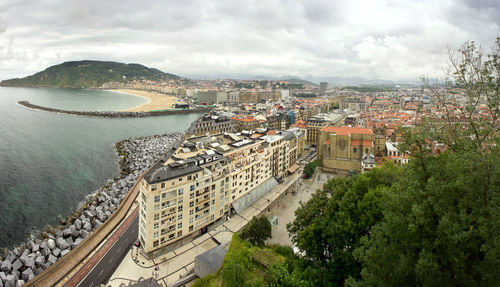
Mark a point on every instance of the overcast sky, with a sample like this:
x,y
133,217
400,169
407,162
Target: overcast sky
x,y
396,40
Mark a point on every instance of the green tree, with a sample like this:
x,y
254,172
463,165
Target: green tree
x,y
441,223
279,275
330,225
310,167
257,231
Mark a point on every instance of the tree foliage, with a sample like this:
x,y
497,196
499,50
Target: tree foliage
x,y
330,225
441,223
310,167
257,231
433,222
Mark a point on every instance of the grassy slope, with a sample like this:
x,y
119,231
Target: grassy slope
x,y
254,259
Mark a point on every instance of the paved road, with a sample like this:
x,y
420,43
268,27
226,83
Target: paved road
x,y
115,249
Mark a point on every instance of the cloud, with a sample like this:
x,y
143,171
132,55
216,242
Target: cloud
x,y
388,39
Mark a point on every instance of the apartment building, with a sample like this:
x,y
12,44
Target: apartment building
x,y
247,123
316,123
207,179
212,124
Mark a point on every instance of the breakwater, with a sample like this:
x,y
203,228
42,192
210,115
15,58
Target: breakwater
x,y
114,114
25,261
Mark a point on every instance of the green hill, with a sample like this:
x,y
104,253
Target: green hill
x,y
88,74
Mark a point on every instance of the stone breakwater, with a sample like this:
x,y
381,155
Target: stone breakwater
x,y
22,263
113,114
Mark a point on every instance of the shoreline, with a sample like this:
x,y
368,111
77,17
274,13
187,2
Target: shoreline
x,y
120,91
38,252
156,101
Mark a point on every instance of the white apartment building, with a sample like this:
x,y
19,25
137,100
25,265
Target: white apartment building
x,y
206,180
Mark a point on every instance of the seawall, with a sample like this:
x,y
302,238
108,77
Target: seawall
x,y
114,114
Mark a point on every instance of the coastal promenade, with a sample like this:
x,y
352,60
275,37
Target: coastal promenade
x,y
58,272
179,262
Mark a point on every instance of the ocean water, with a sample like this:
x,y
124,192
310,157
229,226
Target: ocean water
x,y
49,162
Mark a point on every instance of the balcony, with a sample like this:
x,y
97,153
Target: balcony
x,y
200,201
203,208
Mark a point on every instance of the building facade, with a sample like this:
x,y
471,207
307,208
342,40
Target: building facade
x,y
342,148
212,124
206,180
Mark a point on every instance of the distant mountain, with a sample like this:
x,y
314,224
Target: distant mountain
x,y
340,81
88,74
300,81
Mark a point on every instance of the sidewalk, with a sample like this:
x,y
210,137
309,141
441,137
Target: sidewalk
x,y
180,261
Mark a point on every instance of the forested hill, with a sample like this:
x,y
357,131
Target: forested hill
x,y
88,74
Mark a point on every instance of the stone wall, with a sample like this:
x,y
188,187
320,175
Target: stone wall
x,y
22,263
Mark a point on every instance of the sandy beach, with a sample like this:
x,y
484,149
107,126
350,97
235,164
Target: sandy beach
x,y
156,101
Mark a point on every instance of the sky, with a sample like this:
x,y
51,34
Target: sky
x,y
394,40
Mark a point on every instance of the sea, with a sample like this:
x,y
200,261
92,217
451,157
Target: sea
x,y
49,162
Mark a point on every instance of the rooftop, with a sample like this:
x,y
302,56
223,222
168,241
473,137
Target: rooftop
x,y
347,130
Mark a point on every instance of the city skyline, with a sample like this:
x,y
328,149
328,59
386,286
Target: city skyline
x,y
234,39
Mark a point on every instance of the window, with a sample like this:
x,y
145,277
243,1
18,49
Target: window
x,y
354,150
213,186
191,188
179,217
155,235
156,225
190,228
164,195
191,212
191,204
179,234
191,220
156,216
162,185
191,196
179,208
180,178
179,226
157,198
157,207
189,177
181,191
153,187
155,243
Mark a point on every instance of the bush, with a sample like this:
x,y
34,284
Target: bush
x,y
233,274
257,231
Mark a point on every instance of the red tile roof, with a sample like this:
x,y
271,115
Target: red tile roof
x,y
364,142
347,130
248,119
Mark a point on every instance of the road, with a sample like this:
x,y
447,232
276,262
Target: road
x,y
109,255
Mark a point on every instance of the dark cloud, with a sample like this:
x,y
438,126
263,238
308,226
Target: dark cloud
x,y
351,38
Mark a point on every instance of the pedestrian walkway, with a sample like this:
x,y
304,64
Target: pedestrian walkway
x,y
179,262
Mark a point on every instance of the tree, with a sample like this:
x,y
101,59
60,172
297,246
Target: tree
x,y
441,221
330,225
257,231
309,168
